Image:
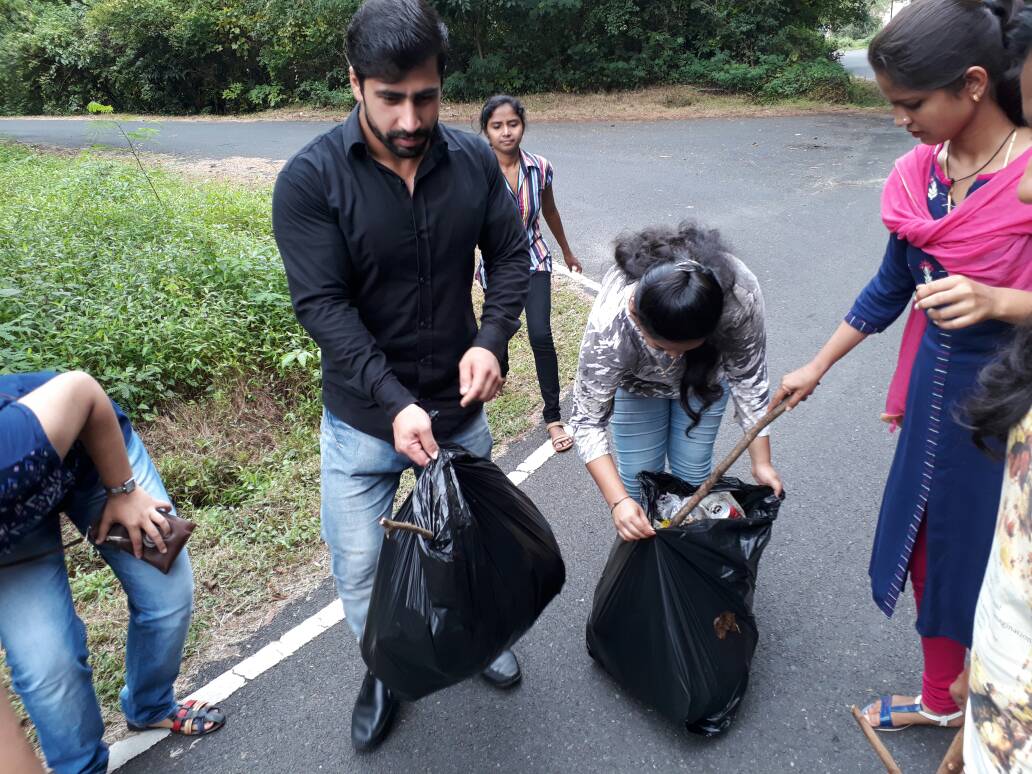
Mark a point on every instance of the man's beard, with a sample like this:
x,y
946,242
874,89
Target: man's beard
x,y
388,139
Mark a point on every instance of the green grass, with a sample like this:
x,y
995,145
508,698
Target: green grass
x,y
155,301
865,93
180,309
846,43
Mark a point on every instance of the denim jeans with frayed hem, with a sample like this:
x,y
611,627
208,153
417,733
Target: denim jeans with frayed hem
x,y
360,475
649,434
45,641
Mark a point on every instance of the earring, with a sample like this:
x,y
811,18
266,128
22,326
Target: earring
x,y
977,97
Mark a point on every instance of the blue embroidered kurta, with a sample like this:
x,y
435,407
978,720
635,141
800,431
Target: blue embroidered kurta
x,y
937,473
33,478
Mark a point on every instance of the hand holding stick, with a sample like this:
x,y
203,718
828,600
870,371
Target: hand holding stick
x,y
723,467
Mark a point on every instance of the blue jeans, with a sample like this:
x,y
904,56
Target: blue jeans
x,y
649,433
360,475
45,641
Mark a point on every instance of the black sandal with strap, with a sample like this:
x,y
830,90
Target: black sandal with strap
x,y
190,718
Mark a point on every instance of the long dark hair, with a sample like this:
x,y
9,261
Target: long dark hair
x,y
681,273
495,102
1004,393
1019,41
931,44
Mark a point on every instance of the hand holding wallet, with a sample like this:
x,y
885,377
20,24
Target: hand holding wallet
x,y
175,540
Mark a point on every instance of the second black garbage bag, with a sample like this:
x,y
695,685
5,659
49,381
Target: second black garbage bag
x,y
672,618
443,608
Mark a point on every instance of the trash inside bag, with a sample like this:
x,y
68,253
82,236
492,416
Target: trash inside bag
x,y
672,618
442,609
716,505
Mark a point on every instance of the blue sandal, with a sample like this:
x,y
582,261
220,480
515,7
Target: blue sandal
x,y
917,708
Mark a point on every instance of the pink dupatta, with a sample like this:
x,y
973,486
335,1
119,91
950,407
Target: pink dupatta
x,y
987,237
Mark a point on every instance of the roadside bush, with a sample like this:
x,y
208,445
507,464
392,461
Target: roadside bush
x,y
318,93
155,301
821,80
773,78
45,64
240,55
865,93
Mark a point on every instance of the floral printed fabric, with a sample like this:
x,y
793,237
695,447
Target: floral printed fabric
x,y
615,355
998,735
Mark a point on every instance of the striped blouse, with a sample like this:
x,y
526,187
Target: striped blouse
x,y
535,176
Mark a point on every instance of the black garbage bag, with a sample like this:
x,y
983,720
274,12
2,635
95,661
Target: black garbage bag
x,y
443,609
672,618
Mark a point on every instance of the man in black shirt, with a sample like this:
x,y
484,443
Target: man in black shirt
x,y
377,222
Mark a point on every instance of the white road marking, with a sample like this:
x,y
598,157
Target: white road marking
x,y
232,680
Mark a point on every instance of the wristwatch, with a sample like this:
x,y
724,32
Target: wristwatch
x,y
126,488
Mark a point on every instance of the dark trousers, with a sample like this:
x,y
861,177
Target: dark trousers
x,y
539,331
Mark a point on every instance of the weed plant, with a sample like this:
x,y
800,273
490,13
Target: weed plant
x,y
95,274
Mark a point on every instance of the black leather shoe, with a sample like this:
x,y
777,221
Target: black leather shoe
x,y
504,671
373,716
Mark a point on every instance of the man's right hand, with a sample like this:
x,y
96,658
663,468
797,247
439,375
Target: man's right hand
x,y
413,436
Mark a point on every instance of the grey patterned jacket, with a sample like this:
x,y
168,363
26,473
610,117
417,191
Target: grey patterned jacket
x,y
614,355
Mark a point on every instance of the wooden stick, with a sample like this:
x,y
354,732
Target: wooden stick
x,y
390,526
953,762
886,757
723,467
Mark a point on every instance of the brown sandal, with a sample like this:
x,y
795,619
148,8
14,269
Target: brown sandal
x,y
560,443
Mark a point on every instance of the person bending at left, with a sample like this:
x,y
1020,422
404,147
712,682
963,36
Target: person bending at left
x,y
65,447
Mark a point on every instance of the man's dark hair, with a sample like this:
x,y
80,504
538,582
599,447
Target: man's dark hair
x,y
388,38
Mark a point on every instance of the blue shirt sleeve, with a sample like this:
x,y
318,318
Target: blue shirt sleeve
x,y
15,386
888,293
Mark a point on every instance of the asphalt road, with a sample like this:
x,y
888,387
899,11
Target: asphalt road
x,y
798,200
856,63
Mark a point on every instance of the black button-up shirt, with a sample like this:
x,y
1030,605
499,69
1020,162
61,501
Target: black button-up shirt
x,y
382,279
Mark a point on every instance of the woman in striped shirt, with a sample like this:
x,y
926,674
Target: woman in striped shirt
x,y
529,178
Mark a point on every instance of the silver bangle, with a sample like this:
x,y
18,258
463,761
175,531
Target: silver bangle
x,y
613,506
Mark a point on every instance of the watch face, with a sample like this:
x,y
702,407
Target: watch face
x,y
126,488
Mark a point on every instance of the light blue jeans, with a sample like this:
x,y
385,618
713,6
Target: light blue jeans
x,y
360,475
45,641
649,434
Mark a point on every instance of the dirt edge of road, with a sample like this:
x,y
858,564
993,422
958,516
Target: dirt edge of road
x,y
660,103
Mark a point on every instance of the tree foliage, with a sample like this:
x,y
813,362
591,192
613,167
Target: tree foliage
x,y
231,55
